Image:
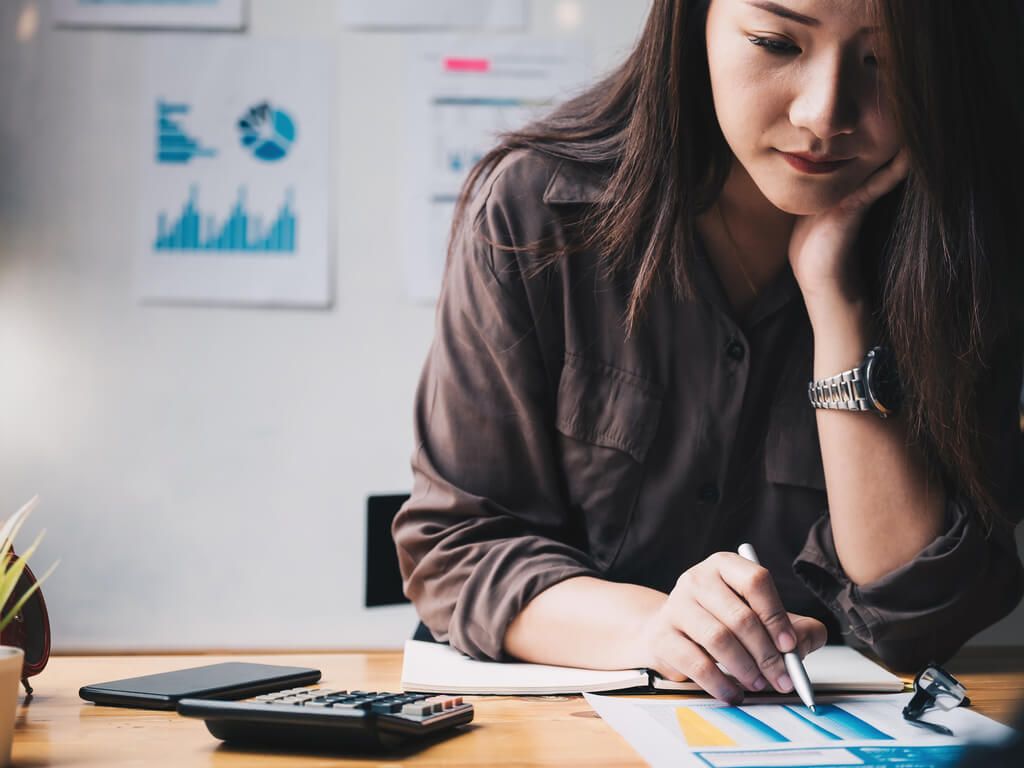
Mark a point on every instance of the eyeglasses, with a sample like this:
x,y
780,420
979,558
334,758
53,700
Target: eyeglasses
x,y
934,687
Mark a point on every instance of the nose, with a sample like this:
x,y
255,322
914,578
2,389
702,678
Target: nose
x,y
827,100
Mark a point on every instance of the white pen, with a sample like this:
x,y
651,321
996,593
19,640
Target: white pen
x,y
795,667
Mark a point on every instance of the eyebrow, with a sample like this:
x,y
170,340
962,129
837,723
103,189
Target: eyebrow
x,y
787,13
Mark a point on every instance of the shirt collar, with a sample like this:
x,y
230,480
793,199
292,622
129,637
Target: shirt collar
x,y
776,295
577,184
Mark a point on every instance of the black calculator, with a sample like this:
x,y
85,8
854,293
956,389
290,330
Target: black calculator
x,y
312,717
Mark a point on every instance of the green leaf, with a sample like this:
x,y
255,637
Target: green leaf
x,y
12,525
24,598
11,574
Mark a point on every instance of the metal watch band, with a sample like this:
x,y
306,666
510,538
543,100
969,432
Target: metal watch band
x,y
842,392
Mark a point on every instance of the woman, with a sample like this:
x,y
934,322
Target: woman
x,y
641,288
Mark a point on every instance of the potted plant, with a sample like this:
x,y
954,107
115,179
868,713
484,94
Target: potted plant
x,y
11,657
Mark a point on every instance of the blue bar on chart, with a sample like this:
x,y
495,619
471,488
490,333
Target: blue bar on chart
x,y
194,230
715,726
173,144
839,723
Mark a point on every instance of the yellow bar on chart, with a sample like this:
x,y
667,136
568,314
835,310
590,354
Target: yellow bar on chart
x,y
698,732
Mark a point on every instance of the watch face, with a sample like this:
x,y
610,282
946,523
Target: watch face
x,y
883,382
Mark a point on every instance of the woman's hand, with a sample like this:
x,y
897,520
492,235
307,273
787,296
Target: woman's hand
x,y
726,609
821,244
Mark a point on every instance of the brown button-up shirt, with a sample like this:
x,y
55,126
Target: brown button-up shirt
x,y
550,445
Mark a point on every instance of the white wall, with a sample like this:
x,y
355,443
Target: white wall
x,y
203,471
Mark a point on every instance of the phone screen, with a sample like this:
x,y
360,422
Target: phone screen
x,y
233,678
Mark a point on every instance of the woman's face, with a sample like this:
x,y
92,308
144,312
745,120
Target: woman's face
x,y
799,76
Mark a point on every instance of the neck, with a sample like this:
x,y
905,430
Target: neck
x,y
761,231
747,238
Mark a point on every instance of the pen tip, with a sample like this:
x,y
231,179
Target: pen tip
x,y
814,709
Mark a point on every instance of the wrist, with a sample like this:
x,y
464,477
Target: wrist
x,y
842,336
644,631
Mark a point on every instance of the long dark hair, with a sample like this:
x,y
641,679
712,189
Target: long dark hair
x,y
941,246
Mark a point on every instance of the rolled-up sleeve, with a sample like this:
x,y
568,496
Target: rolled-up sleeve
x,y
485,529
963,581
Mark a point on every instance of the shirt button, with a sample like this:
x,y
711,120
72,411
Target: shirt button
x,y
735,350
708,493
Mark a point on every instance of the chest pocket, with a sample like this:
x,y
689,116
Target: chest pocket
x,y
606,422
792,451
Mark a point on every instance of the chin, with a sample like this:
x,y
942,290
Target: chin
x,y
802,202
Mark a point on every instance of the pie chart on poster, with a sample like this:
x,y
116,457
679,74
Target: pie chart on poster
x,y
267,131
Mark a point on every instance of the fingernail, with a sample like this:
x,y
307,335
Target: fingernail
x,y
760,683
785,685
786,642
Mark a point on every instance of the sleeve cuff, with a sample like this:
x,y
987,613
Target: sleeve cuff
x,y
920,593
502,584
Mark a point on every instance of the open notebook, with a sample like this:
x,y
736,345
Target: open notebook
x,y
437,668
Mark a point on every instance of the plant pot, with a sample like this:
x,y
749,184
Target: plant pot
x,y
11,661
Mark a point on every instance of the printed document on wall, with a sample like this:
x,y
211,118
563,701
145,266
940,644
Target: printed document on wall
x,y
463,93
235,177
433,14
200,14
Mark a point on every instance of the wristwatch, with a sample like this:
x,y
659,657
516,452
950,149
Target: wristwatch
x,y
872,386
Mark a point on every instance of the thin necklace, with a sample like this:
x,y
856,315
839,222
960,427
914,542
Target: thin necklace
x,y
736,251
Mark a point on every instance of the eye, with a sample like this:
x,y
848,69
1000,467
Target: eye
x,y
773,46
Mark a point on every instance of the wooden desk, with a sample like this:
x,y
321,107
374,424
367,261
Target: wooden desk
x,y
58,728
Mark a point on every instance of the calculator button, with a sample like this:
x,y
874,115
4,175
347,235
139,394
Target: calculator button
x,y
417,710
386,707
364,705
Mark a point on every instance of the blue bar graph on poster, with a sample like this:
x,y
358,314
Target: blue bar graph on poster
x,y
173,144
148,2
195,231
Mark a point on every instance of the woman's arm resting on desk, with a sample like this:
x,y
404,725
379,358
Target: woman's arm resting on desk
x,y
901,556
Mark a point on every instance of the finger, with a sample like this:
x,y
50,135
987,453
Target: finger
x,y
705,628
668,670
882,181
811,633
754,584
694,662
719,600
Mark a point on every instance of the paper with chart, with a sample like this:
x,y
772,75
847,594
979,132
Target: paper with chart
x,y
462,93
234,158
864,731
436,14
178,14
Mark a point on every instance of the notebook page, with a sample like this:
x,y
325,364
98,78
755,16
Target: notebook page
x,y
437,668
834,668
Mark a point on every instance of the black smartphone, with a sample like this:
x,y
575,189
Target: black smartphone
x,y
230,680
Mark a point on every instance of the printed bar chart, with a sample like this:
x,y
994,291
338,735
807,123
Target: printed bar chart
x,y
240,232
173,144
733,726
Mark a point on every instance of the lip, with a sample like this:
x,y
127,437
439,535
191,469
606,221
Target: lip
x,y
811,164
